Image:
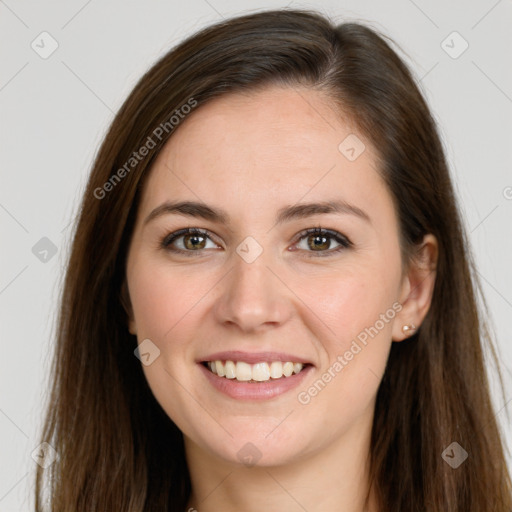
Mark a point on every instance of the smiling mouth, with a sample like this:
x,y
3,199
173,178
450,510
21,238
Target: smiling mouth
x,y
259,372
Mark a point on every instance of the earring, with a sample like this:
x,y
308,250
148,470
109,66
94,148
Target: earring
x,y
408,329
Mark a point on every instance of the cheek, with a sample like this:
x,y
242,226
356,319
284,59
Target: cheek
x,y
163,301
351,300
162,298
359,306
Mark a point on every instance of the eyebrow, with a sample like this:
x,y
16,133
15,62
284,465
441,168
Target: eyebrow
x,y
285,214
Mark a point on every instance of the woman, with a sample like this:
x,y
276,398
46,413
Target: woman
x,y
269,302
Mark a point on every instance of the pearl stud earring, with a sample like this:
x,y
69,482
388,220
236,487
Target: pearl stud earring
x,y
408,329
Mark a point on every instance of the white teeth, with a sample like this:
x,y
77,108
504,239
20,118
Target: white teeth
x,y
287,369
258,372
219,369
276,370
243,371
230,370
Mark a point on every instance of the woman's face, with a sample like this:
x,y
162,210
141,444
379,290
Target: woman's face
x,y
253,290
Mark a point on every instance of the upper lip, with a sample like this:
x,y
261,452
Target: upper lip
x,y
253,357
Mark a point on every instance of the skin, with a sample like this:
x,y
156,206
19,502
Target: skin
x,y
250,155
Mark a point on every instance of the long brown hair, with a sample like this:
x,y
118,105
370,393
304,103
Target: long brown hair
x,y
117,449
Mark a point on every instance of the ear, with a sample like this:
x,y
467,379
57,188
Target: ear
x,y
417,289
127,306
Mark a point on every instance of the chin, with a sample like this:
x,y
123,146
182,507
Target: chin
x,y
257,445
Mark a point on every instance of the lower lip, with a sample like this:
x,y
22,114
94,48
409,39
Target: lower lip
x,y
252,390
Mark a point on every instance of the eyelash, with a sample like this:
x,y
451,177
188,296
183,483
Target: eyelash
x,y
344,242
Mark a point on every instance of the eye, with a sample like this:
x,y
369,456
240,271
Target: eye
x,y
319,239
188,240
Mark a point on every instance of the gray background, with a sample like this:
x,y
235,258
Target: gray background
x,y
55,110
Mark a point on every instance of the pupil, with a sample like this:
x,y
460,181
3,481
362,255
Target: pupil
x,y
195,238
319,241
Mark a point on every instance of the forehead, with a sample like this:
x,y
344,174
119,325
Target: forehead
x,y
265,149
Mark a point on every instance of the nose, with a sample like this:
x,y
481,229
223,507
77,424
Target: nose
x,y
252,295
